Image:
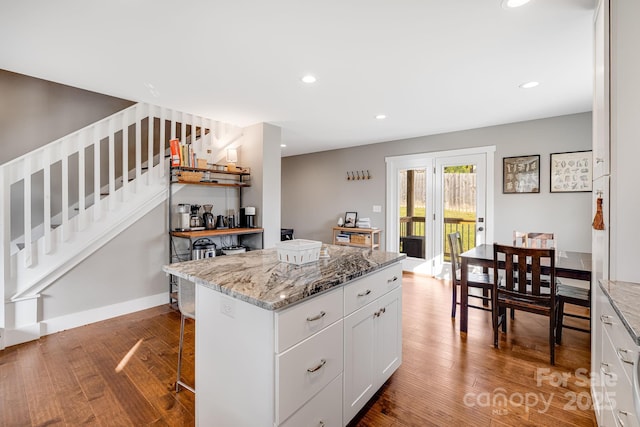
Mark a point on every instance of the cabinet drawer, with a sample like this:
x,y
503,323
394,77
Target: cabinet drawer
x,y
324,409
305,319
305,369
363,291
623,348
617,387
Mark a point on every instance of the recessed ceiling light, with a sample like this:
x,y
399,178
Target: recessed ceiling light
x,y
528,85
283,145
309,79
381,116
510,4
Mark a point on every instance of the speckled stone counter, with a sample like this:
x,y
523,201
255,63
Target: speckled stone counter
x,y
625,297
257,277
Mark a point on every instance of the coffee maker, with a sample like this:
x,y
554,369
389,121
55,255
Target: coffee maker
x,y
247,217
184,219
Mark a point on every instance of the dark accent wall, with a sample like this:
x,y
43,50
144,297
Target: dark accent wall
x,y
34,112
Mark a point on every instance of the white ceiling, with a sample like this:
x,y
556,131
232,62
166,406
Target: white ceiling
x,y
431,66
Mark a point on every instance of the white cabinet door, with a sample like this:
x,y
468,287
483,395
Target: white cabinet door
x,y
373,349
389,336
359,362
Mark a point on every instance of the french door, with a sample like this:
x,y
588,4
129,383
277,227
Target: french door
x,y
432,194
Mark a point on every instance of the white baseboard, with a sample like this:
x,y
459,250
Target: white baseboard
x,y
34,331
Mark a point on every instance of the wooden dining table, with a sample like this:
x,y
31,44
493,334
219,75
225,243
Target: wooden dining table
x,y
569,264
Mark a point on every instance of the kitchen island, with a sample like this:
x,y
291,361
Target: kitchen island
x,y
280,344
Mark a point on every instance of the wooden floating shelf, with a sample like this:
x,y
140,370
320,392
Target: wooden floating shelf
x,y
214,184
216,232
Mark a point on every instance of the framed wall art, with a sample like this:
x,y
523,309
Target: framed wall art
x,y
350,219
521,174
571,172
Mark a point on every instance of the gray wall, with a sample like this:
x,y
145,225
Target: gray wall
x,y
34,112
315,191
126,268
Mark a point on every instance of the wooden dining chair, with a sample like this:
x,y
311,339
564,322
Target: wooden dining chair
x,y
474,280
529,295
530,239
575,295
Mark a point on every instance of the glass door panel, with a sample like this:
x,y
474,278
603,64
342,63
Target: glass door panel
x,y
460,204
412,206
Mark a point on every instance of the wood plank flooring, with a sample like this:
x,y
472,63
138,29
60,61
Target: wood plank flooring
x,y
70,378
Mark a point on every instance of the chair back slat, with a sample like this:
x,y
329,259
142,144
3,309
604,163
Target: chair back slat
x,y
455,242
525,269
532,239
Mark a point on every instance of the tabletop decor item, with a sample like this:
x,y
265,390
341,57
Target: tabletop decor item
x,y
521,174
350,219
571,172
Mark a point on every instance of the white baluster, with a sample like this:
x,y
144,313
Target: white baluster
x,y
162,150
48,236
112,166
5,228
66,231
97,203
28,250
173,124
125,156
82,166
150,143
138,174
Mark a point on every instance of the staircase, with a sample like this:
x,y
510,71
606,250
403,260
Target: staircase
x,y
68,198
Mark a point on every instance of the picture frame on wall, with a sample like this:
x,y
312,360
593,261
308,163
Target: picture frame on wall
x,y
521,174
350,219
571,172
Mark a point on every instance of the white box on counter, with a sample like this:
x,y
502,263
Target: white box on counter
x,y
298,251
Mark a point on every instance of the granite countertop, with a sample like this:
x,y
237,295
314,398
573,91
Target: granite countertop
x,y
624,297
257,277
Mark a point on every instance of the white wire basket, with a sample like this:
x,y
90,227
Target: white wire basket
x,y
298,251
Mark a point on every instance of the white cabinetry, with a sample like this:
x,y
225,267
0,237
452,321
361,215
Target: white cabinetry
x,y
372,335
615,150
373,350
291,367
616,355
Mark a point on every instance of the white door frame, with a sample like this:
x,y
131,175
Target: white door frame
x,y
428,160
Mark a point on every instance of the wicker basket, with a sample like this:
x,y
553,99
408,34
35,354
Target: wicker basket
x,y
361,239
186,176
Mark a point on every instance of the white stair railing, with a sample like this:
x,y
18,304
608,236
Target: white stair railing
x,y
66,199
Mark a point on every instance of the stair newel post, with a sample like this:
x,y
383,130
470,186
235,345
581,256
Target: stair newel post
x,y
112,165
150,135
82,166
125,155
46,168
138,174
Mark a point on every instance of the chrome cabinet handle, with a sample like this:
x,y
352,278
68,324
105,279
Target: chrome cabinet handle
x,y
392,280
379,312
604,371
317,367
365,293
316,317
606,319
621,412
622,357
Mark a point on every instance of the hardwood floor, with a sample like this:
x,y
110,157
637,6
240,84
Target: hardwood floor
x,y
71,377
